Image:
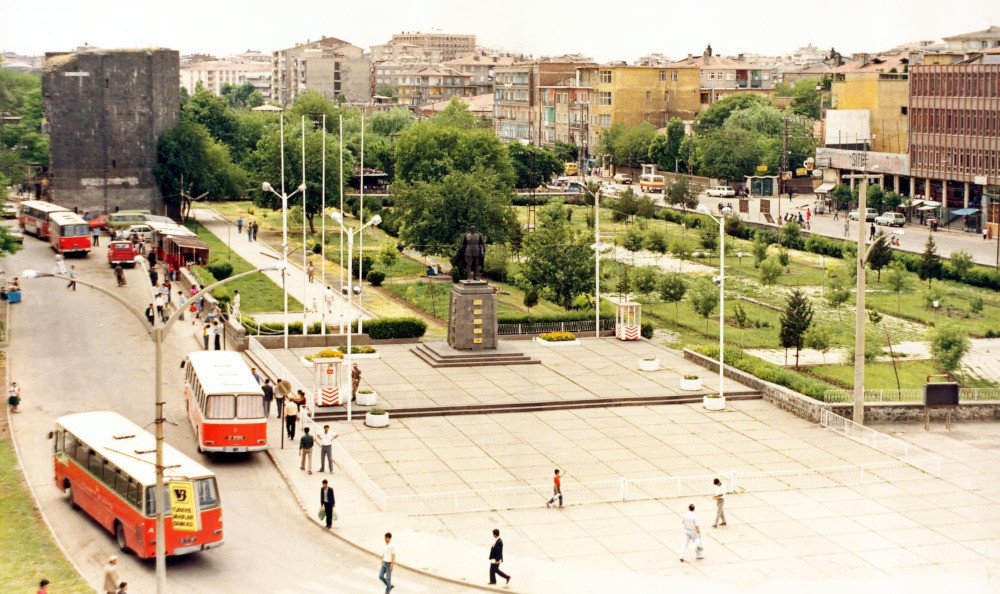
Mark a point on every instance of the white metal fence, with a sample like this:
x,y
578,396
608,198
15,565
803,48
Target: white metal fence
x,y
506,329
897,448
280,371
911,395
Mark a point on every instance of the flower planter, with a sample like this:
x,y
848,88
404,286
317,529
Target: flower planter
x,y
377,420
649,364
557,343
691,384
364,356
367,399
714,403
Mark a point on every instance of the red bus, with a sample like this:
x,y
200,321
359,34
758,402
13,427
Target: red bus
x,y
34,217
106,466
224,402
69,233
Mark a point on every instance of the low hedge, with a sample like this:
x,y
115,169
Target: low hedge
x,y
388,328
646,330
770,372
575,315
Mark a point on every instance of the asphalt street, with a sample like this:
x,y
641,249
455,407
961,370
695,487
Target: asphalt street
x,y
80,351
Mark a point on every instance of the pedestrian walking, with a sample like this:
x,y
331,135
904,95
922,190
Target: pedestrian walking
x,y
96,234
306,443
123,588
120,275
279,400
236,304
249,231
388,560
181,302
720,502
847,227
355,381
328,298
256,228
239,225
61,264
692,534
496,558
836,212
872,232
151,314
72,278
291,417
256,376
556,490
326,448
205,333
159,301
328,502
111,580
217,331
14,397
154,276
268,390
311,271
43,587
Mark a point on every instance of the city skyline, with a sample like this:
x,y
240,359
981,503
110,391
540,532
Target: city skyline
x,y
520,27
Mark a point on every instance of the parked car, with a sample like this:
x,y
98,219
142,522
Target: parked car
x,y
16,233
145,232
623,178
892,219
870,214
720,192
121,252
10,210
100,221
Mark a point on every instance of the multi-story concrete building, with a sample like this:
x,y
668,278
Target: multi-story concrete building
x,y
516,113
330,66
384,74
954,143
626,95
880,85
481,69
697,82
106,111
214,74
564,113
429,47
431,84
976,41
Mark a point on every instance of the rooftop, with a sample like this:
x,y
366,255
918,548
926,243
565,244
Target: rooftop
x,y
989,33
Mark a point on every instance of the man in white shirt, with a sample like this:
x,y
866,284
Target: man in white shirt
x,y
236,305
325,439
720,501
388,560
328,298
692,533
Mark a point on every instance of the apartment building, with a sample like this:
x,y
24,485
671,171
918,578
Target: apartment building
x,y
624,94
429,47
214,74
516,113
330,66
564,113
481,69
431,84
988,38
880,85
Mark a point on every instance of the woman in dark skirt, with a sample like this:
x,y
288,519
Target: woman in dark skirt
x,y
14,397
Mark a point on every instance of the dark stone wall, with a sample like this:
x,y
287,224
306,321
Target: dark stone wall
x,y
105,111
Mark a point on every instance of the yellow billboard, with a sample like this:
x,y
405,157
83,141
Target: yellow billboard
x,y
183,511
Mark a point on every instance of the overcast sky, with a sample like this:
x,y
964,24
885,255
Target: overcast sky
x,y
600,29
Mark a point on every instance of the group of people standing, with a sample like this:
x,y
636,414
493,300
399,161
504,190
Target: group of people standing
x,y
252,228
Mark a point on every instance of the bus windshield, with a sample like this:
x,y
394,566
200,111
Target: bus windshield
x,y
229,406
75,230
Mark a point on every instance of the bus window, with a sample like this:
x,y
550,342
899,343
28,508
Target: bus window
x,y
151,501
96,465
133,493
221,407
208,495
59,442
69,445
83,457
249,406
121,484
109,475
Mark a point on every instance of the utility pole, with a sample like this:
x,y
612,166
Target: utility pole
x,y
784,162
860,313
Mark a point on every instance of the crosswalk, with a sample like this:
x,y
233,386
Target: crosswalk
x,y
357,579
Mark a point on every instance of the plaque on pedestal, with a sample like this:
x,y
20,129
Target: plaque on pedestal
x,y
472,317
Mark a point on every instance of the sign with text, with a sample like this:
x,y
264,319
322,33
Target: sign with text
x,y
744,206
183,511
887,163
765,206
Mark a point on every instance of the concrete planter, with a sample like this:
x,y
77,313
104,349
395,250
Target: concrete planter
x,y
714,403
649,364
691,384
376,420
367,399
557,343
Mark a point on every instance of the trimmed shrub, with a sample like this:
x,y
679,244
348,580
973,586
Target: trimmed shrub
x,y
770,372
646,330
387,328
375,277
220,269
317,248
568,316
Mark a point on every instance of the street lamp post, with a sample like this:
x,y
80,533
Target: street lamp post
x,y
339,219
722,291
158,334
284,231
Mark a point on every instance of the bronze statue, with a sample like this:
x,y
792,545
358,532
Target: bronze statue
x,y
471,253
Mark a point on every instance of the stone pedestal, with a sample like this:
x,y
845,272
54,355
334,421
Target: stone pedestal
x,y
472,317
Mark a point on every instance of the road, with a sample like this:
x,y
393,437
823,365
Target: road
x,y
78,351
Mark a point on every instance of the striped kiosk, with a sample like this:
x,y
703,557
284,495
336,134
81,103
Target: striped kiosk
x,y
326,380
628,320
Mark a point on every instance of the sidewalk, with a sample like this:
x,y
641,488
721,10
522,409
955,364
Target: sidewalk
x,y
260,255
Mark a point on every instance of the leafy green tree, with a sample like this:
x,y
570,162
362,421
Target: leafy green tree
x,y
770,270
627,204
633,241
530,297
457,115
665,148
704,299
566,152
644,280
188,151
710,237
645,209
795,321
838,290
533,166
624,283
759,249
729,153
385,90
842,196
875,198
961,261
681,251
805,97
388,123
880,255
819,338
237,95
930,262
790,236
436,213
682,192
716,115
430,150
558,258
742,321
949,344
656,241
672,288
892,201
256,99
631,147
388,254
898,280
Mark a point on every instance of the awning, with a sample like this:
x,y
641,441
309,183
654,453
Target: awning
x,y
825,187
928,208
964,212
931,203
183,241
916,203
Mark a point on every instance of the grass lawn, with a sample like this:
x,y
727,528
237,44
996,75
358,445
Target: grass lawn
x,y
954,307
259,293
879,376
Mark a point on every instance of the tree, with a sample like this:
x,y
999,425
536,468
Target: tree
x,y
672,288
875,198
256,99
644,280
624,283
430,150
841,196
558,258
632,241
704,299
790,236
627,204
631,147
729,153
930,262
656,241
961,261
898,280
819,338
533,166
709,237
388,254
385,90
188,151
839,291
530,297
645,209
770,270
949,344
388,123
716,115
805,97
759,249
665,148
682,193
795,320
742,320
881,254
681,251
237,95
566,152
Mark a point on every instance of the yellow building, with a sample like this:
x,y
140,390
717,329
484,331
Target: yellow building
x,y
624,94
880,86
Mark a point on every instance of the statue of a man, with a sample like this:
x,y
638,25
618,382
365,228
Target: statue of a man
x,y
471,252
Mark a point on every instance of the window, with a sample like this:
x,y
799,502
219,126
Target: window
x,y
221,407
605,98
649,96
605,121
645,118
673,76
605,76
902,110
663,76
250,406
208,495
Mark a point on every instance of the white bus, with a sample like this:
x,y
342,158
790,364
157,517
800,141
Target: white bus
x,y
224,402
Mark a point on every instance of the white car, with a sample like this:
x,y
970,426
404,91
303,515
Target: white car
x,y
870,214
720,192
892,219
145,232
623,178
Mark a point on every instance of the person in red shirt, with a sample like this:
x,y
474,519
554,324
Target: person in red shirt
x,y
556,490
43,587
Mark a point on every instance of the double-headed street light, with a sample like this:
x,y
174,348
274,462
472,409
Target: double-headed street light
x,y
284,231
158,334
338,217
722,288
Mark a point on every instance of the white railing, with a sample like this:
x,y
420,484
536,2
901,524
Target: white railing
x,y
897,448
281,372
359,476
910,395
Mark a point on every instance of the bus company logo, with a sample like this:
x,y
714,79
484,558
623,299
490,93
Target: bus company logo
x,y
180,495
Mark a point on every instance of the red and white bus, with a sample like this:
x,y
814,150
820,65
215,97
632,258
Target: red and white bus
x,y
106,465
224,402
69,233
34,217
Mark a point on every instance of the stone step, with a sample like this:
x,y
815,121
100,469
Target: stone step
x,y
472,359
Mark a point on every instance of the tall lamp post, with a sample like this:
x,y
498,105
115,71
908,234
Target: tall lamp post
x,y
158,335
722,289
284,232
597,258
339,219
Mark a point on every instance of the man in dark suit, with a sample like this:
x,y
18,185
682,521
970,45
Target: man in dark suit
x,y
327,500
496,558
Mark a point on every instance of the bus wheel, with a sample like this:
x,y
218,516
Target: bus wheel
x,y
120,536
69,496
